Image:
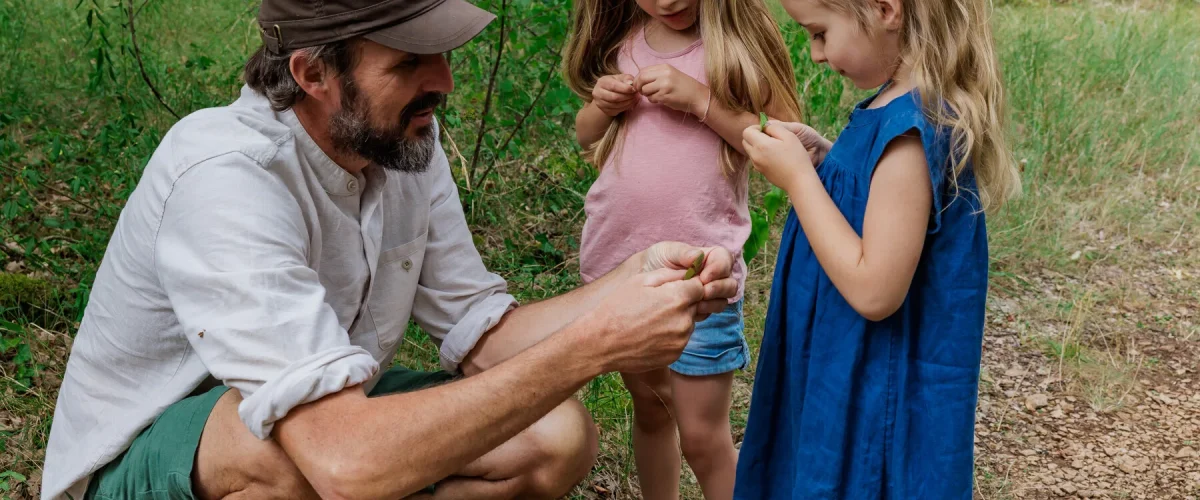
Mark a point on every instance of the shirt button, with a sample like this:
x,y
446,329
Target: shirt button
x,y
352,185
407,264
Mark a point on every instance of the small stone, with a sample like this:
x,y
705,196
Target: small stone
x,y
1069,488
1058,413
1057,491
1126,467
1028,453
1015,371
1036,401
1186,452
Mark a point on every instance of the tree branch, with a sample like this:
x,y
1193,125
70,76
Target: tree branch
x,y
60,192
487,101
137,54
517,128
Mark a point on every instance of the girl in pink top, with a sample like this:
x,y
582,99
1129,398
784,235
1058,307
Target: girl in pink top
x,y
670,85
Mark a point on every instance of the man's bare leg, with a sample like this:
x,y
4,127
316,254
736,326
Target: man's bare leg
x,y
544,461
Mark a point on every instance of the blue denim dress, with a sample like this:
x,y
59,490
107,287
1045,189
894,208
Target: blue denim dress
x,y
846,408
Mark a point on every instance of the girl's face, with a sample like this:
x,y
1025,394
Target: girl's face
x,y
868,57
679,15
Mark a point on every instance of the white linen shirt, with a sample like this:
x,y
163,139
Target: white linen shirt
x,y
246,256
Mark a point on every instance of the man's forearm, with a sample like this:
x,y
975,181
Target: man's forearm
x,y
392,446
527,325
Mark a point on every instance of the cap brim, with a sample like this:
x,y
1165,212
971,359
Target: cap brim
x,y
444,28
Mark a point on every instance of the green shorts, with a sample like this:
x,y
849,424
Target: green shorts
x,y
158,463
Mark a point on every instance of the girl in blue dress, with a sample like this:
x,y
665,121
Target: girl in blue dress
x,y
867,377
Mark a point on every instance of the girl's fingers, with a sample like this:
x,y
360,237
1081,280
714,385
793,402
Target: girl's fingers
x,y
611,97
646,77
650,88
617,87
781,133
793,127
753,136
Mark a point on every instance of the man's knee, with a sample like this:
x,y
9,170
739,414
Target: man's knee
x,y
567,442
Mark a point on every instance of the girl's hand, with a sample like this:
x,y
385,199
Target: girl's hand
x,y
614,94
814,142
778,154
663,84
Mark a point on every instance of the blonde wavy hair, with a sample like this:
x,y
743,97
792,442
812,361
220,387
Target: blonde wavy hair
x,y
948,46
747,63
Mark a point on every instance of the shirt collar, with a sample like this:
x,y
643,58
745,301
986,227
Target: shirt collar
x,y
334,179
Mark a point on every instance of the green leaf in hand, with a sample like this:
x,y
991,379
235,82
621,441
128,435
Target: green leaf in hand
x,y
695,268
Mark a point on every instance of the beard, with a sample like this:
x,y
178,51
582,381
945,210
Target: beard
x,y
388,146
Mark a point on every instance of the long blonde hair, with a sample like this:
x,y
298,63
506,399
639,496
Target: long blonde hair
x,y
743,47
948,46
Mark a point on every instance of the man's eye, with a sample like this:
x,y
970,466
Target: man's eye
x,y
819,36
408,63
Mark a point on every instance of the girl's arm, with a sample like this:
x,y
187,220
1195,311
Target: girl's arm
x,y
663,84
612,95
873,272
729,123
590,124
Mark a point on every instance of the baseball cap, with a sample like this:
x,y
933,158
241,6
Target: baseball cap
x,y
414,26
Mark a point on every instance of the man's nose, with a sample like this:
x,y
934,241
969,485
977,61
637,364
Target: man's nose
x,y
438,77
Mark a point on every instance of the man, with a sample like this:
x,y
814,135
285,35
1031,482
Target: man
x,y
280,245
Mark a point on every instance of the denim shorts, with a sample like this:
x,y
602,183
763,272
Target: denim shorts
x,y
718,345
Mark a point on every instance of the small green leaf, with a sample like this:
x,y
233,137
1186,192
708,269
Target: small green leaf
x,y
14,475
759,232
24,355
773,201
695,267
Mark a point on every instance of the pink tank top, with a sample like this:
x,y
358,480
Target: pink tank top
x,y
667,183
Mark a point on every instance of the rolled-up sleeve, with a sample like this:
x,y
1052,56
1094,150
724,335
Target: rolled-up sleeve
x,y
458,299
231,252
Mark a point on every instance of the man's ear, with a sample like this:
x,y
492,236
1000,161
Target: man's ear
x,y
891,13
312,76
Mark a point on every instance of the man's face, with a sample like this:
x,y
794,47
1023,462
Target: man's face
x,y
387,104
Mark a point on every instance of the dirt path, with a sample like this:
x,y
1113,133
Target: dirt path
x,y
1115,413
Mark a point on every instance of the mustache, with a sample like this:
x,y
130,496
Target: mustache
x,y
423,103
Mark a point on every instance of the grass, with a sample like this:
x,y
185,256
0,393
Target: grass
x,y
1104,102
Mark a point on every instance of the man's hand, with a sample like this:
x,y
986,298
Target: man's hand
x,y
646,322
715,275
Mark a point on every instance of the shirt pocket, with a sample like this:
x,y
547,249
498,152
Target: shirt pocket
x,y
394,290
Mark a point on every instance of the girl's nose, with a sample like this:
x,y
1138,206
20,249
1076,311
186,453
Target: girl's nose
x,y
818,53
